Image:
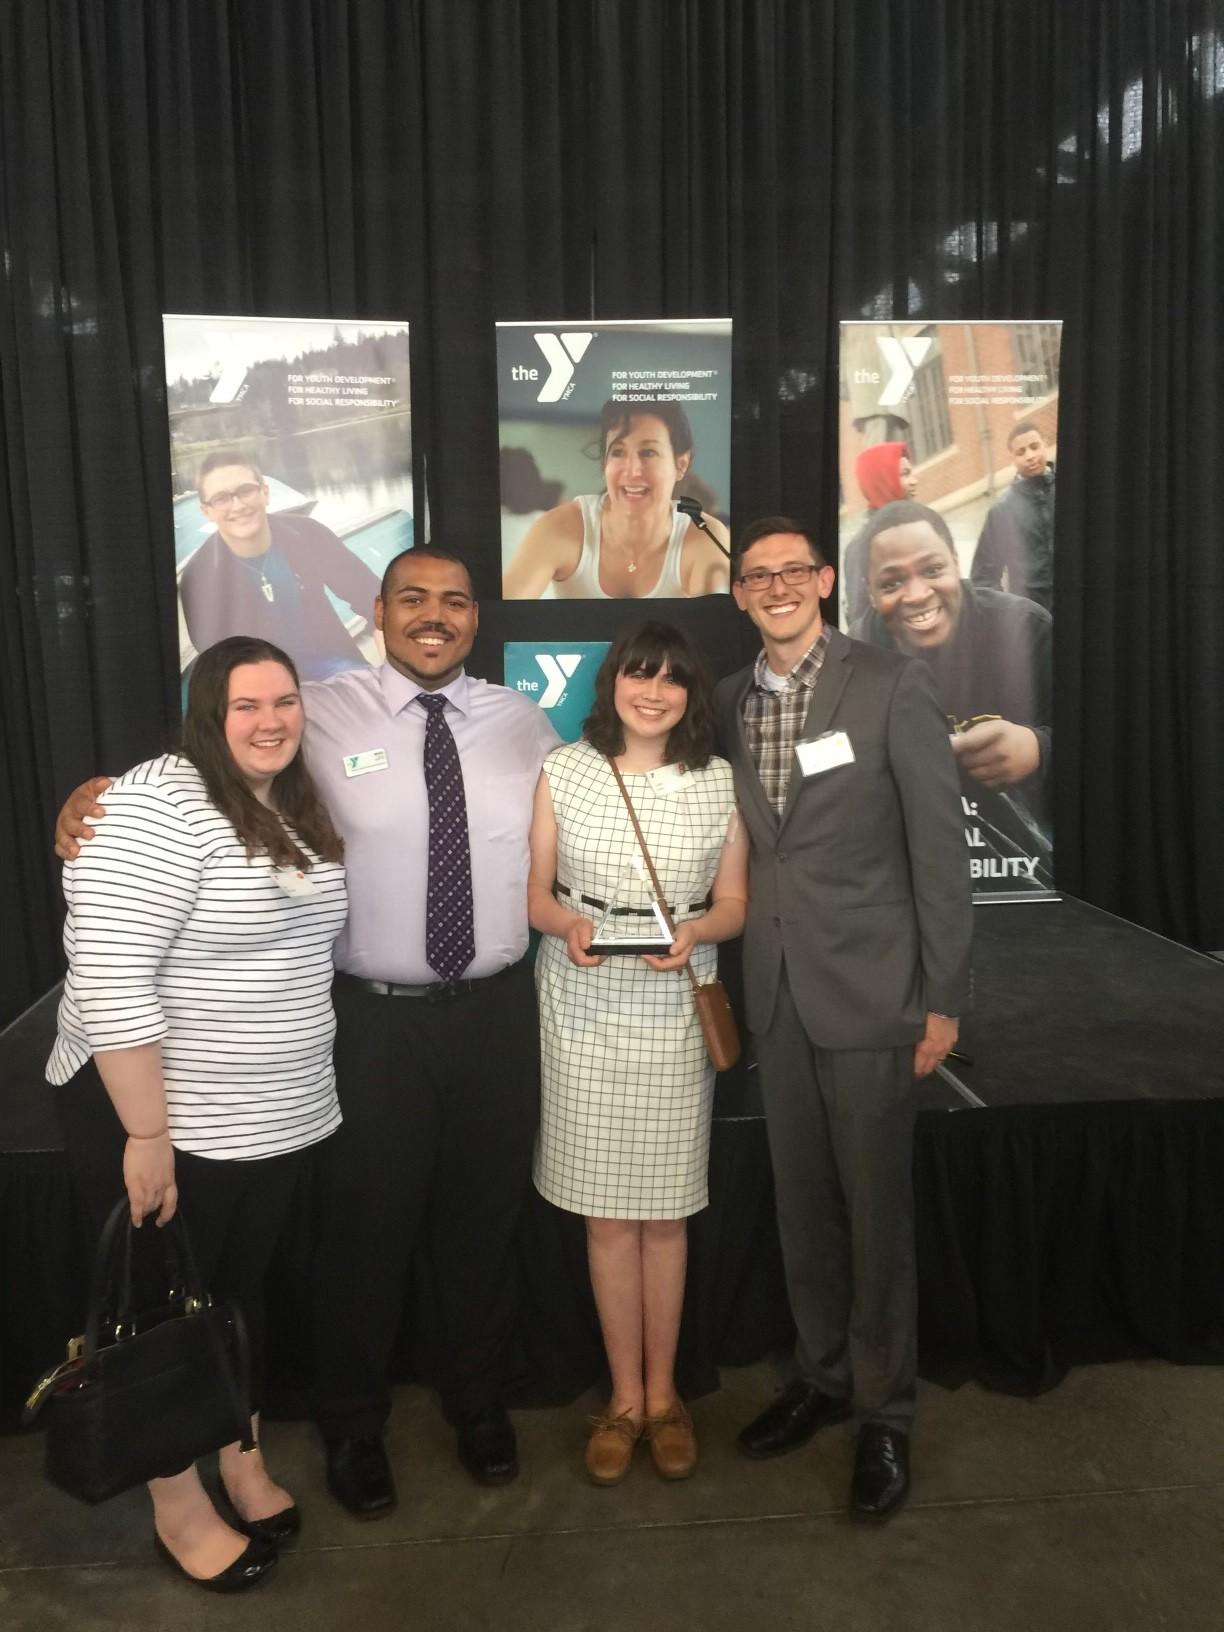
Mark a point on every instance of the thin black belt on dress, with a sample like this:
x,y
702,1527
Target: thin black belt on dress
x,y
624,912
437,991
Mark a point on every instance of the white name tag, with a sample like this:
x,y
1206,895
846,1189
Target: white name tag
x,y
374,759
293,881
823,753
668,779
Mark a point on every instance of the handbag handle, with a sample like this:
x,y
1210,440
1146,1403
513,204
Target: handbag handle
x,y
650,866
110,1290
185,1283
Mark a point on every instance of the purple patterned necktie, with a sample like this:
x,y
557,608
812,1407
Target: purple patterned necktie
x,y
450,940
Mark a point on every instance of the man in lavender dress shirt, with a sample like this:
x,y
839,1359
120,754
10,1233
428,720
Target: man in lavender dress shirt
x,y
438,1081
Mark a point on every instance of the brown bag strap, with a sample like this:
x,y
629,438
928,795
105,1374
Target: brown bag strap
x,y
650,866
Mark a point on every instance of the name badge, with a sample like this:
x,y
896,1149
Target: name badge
x,y
823,753
374,759
669,779
293,881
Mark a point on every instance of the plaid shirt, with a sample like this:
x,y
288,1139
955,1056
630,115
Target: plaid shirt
x,y
774,719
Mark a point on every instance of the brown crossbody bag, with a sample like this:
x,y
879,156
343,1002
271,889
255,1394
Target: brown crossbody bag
x,y
714,1011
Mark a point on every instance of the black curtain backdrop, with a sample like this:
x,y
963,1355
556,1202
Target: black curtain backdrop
x,y
790,162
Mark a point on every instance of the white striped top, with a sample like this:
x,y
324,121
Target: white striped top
x,y
174,936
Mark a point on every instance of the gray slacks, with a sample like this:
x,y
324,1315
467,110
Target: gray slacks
x,y
841,1125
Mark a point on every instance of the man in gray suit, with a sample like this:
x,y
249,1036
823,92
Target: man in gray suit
x,y
856,967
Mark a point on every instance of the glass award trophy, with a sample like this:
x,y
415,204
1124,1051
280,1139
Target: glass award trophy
x,y
631,921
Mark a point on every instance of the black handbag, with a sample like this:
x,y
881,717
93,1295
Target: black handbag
x,y
143,1394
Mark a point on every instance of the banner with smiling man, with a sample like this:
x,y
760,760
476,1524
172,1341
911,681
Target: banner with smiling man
x,y
948,436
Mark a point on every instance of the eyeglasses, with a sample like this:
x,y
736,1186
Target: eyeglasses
x,y
243,494
760,579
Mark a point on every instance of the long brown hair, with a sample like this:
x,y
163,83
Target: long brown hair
x,y
203,742
645,649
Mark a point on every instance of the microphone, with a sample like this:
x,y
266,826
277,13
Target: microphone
x,y
691,509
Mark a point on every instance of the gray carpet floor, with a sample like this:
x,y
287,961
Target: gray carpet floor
x,y
1096,1508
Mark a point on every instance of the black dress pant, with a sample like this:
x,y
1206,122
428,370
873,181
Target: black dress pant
x,y
234,1211
440,1099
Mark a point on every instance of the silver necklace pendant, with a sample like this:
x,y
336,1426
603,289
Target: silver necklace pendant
x,y
633,566
267,589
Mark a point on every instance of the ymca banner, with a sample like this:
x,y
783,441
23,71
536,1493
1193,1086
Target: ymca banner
x,y
615,459
291,449
559,675
948,443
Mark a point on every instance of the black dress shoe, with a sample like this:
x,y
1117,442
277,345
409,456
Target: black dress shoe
x,y
791,1420
359,1477
487,1446
279,1527
244,1572
881,1472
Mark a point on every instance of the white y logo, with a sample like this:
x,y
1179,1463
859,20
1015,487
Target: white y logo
x,y
561,352
230,384
902,357
557,671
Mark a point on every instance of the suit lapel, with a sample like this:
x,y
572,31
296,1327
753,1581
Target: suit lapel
x,y
826,695
751,779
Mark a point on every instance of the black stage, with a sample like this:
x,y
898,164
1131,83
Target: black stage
x,y
1068,1189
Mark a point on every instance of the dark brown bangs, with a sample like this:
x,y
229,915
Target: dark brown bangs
x,y
652,647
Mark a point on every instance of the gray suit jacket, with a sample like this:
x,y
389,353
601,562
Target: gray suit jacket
x,y
863,884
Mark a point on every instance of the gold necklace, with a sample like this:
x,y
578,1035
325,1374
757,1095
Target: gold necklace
x,y
633,566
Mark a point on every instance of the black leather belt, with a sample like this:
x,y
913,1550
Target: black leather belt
x,y
626,912
436,991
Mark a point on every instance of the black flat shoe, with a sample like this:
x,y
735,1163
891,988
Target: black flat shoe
x,y
487,1446
791,1420
359,1477
881,1472
244,1572
276,1528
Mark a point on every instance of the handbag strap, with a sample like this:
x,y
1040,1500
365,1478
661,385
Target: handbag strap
x,y
660,900
104,1294
176,1241
237,1387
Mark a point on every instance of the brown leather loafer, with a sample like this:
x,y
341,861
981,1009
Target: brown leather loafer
x,y
609,1451
673,1444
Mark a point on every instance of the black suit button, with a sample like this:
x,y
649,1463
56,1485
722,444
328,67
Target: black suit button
x,y
781,855
776,921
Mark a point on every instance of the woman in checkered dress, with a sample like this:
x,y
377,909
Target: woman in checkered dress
x,y
627,1087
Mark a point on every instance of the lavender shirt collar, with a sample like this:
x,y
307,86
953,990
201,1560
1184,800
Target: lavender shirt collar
x,y
399,691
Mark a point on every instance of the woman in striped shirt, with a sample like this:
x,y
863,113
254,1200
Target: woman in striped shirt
x,y
199,939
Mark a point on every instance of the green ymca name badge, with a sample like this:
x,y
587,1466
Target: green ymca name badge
x,y
374,759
